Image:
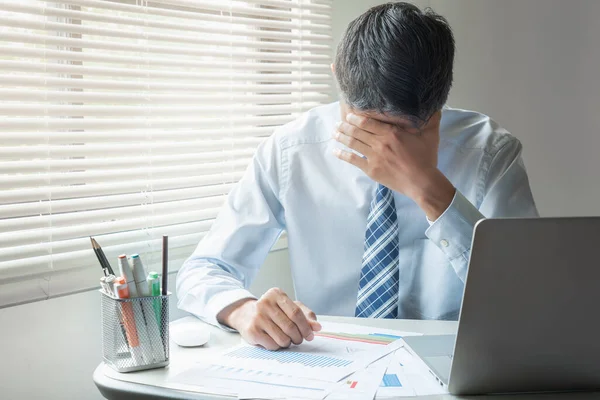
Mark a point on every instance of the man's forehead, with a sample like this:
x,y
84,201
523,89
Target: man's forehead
x,y
399,121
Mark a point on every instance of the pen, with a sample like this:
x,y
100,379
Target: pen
x,y
139,276
165,263
127,314
102,265
102,258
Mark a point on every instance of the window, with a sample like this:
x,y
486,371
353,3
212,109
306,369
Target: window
x,y
127,120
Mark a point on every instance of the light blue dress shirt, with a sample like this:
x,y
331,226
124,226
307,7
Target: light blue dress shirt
x,y
296,184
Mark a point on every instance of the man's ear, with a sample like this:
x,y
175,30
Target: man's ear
x,y
332,66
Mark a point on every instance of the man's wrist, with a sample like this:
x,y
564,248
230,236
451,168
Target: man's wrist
x,y
233,314
433,194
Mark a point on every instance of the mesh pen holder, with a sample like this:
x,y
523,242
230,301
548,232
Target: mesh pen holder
x,y
135,332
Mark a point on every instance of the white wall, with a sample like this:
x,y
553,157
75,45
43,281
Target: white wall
x,y
345,11
50,348
533,66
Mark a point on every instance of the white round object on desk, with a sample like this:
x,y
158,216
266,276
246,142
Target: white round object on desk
x,y
189,332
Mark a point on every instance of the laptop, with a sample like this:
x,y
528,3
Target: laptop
x,y
530,315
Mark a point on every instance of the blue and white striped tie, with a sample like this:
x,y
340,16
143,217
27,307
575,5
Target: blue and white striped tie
x,y
378,286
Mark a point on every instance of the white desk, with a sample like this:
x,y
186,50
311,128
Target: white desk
x,y
153,384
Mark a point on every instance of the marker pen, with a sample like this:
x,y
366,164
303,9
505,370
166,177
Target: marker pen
x,y
154,287
127,274
139,275
110,285
127,315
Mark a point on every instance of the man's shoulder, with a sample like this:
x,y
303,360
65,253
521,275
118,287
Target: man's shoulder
x,y
473,130
312,127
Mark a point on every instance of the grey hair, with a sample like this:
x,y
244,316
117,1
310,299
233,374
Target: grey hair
x,y
398,60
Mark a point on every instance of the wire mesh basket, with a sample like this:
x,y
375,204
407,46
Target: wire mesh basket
x,y
135,332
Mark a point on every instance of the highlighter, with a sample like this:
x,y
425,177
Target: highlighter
x,y
127,315
154,333
154,287
127,274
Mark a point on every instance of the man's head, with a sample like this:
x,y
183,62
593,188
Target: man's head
x,y
396,60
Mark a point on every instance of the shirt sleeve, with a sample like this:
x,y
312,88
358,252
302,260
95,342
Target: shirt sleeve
x,y
506,193
228,258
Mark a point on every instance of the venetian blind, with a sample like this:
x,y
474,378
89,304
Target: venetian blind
x,y
127,120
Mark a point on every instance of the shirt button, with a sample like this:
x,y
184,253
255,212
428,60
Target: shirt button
x,y
444,243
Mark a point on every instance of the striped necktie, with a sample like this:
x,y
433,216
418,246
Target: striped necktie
x,y
378,286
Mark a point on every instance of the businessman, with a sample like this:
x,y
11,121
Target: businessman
x,y
379,194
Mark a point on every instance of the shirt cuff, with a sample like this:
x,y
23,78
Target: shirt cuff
x,y
452,232
222,300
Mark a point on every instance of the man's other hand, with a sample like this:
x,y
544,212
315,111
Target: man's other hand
x,y
274,321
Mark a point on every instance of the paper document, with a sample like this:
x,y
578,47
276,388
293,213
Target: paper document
x,y
311,370
418,375
361,385
394,383
366,334
323,359
250,383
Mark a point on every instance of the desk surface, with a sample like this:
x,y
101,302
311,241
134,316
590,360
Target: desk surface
x,y
150,384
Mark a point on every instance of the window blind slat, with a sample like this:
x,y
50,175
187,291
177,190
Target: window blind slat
x,y
203,149
57,96
295,86
27,110
29,124
305,5
120,137
156,74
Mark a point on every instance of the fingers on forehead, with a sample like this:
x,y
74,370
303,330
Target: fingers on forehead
x,y
369,124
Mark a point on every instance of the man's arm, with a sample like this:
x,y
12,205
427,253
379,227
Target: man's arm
x,y
213,283
228,258
506,193
406,161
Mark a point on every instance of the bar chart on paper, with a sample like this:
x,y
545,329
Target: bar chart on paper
x,y
288,357
324,358
312,360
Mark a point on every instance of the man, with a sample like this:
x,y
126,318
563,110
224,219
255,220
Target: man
x,y
379,205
